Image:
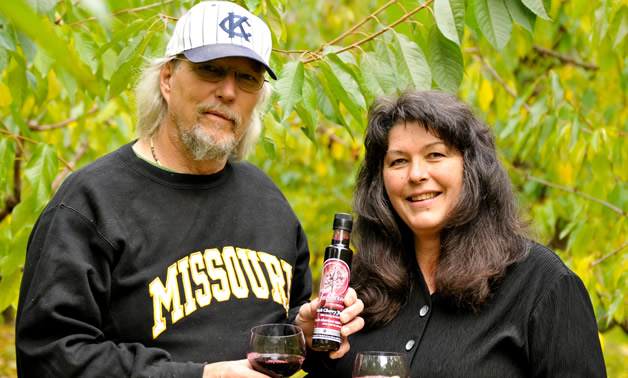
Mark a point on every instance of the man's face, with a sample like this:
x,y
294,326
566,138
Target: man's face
x,y
209,116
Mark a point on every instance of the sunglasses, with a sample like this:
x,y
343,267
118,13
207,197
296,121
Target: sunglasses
x,y
247,79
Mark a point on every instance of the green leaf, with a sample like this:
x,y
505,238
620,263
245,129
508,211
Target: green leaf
x,y
411,62
331,92
471,20
307,117
549,124
29,48
7,156
15,259
521,15
323,102
306,109
537,7
376,75
619,26
123,35
538,110
69,83
274,131
289,86
42,6
343,87
85,47
9,289
122,77
251,5
275,22
445,60
41,171
618,299
494,21
40,30
131,50
43,62
450,17
558,92
4,60
384,54
575,131
16,80
8,38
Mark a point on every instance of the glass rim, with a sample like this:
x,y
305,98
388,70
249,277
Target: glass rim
x,y
297,330
380,353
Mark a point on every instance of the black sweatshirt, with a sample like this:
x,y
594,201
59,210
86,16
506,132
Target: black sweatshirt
x,y
134,271
539,323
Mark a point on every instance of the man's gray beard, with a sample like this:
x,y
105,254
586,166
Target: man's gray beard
x,y
202,145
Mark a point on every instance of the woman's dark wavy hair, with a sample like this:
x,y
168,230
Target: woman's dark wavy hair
x,y
483,234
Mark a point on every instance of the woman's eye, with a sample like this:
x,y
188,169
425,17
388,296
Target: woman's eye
x,y
435,155
397,162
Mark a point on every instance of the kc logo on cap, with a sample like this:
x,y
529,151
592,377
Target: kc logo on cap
x,y
233,25
221,29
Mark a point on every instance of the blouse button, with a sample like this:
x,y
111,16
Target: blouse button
x,y
423,311
409,344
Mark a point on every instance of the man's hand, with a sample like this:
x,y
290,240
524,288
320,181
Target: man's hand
x,y
228,369
351,322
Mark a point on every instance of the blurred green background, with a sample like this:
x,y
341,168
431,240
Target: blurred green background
x,y
550,77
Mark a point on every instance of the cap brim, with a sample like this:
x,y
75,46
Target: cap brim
x,y
217,51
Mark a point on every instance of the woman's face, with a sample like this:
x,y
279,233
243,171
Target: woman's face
x,y
422,176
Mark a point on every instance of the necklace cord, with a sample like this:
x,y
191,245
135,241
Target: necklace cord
x,y
152,149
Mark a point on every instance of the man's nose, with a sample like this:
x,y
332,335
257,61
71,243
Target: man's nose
x,y
227,87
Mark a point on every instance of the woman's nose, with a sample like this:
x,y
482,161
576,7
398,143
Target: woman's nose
x,y
419,172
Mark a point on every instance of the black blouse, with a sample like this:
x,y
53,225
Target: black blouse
x,y
540,322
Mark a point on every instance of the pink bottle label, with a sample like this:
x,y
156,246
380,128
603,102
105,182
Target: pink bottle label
x,y
334,286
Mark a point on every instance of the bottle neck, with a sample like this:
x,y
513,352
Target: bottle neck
x,y
341,237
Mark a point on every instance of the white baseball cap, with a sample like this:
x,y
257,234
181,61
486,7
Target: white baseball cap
x,y
221,29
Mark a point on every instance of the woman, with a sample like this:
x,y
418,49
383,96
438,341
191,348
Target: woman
x,y
443,267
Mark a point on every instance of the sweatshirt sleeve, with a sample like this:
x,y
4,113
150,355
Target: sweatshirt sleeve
x,y
301,288
563,333
62,320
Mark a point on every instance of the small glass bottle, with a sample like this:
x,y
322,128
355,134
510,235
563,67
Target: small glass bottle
x,y
334,285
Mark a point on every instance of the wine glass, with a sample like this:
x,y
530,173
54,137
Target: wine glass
x,y
277,350
380,364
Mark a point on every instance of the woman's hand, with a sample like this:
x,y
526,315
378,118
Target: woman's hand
x,y
351,322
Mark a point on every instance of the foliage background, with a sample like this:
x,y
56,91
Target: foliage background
x,y
549,76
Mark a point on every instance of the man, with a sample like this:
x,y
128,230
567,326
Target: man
x,y
157,259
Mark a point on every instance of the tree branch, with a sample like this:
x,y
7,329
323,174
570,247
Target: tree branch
x,y
36,127
122,11
21,137
528,176
355,27
383,30
70,168
609,254
490,69
565,58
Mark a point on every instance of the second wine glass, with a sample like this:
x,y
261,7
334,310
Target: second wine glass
x,y
277,350
376,364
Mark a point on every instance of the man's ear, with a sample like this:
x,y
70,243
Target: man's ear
x,y
165,80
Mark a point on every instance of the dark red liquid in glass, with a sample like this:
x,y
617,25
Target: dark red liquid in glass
x,y
276,365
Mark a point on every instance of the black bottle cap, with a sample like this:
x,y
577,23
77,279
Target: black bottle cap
x,y
343,221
